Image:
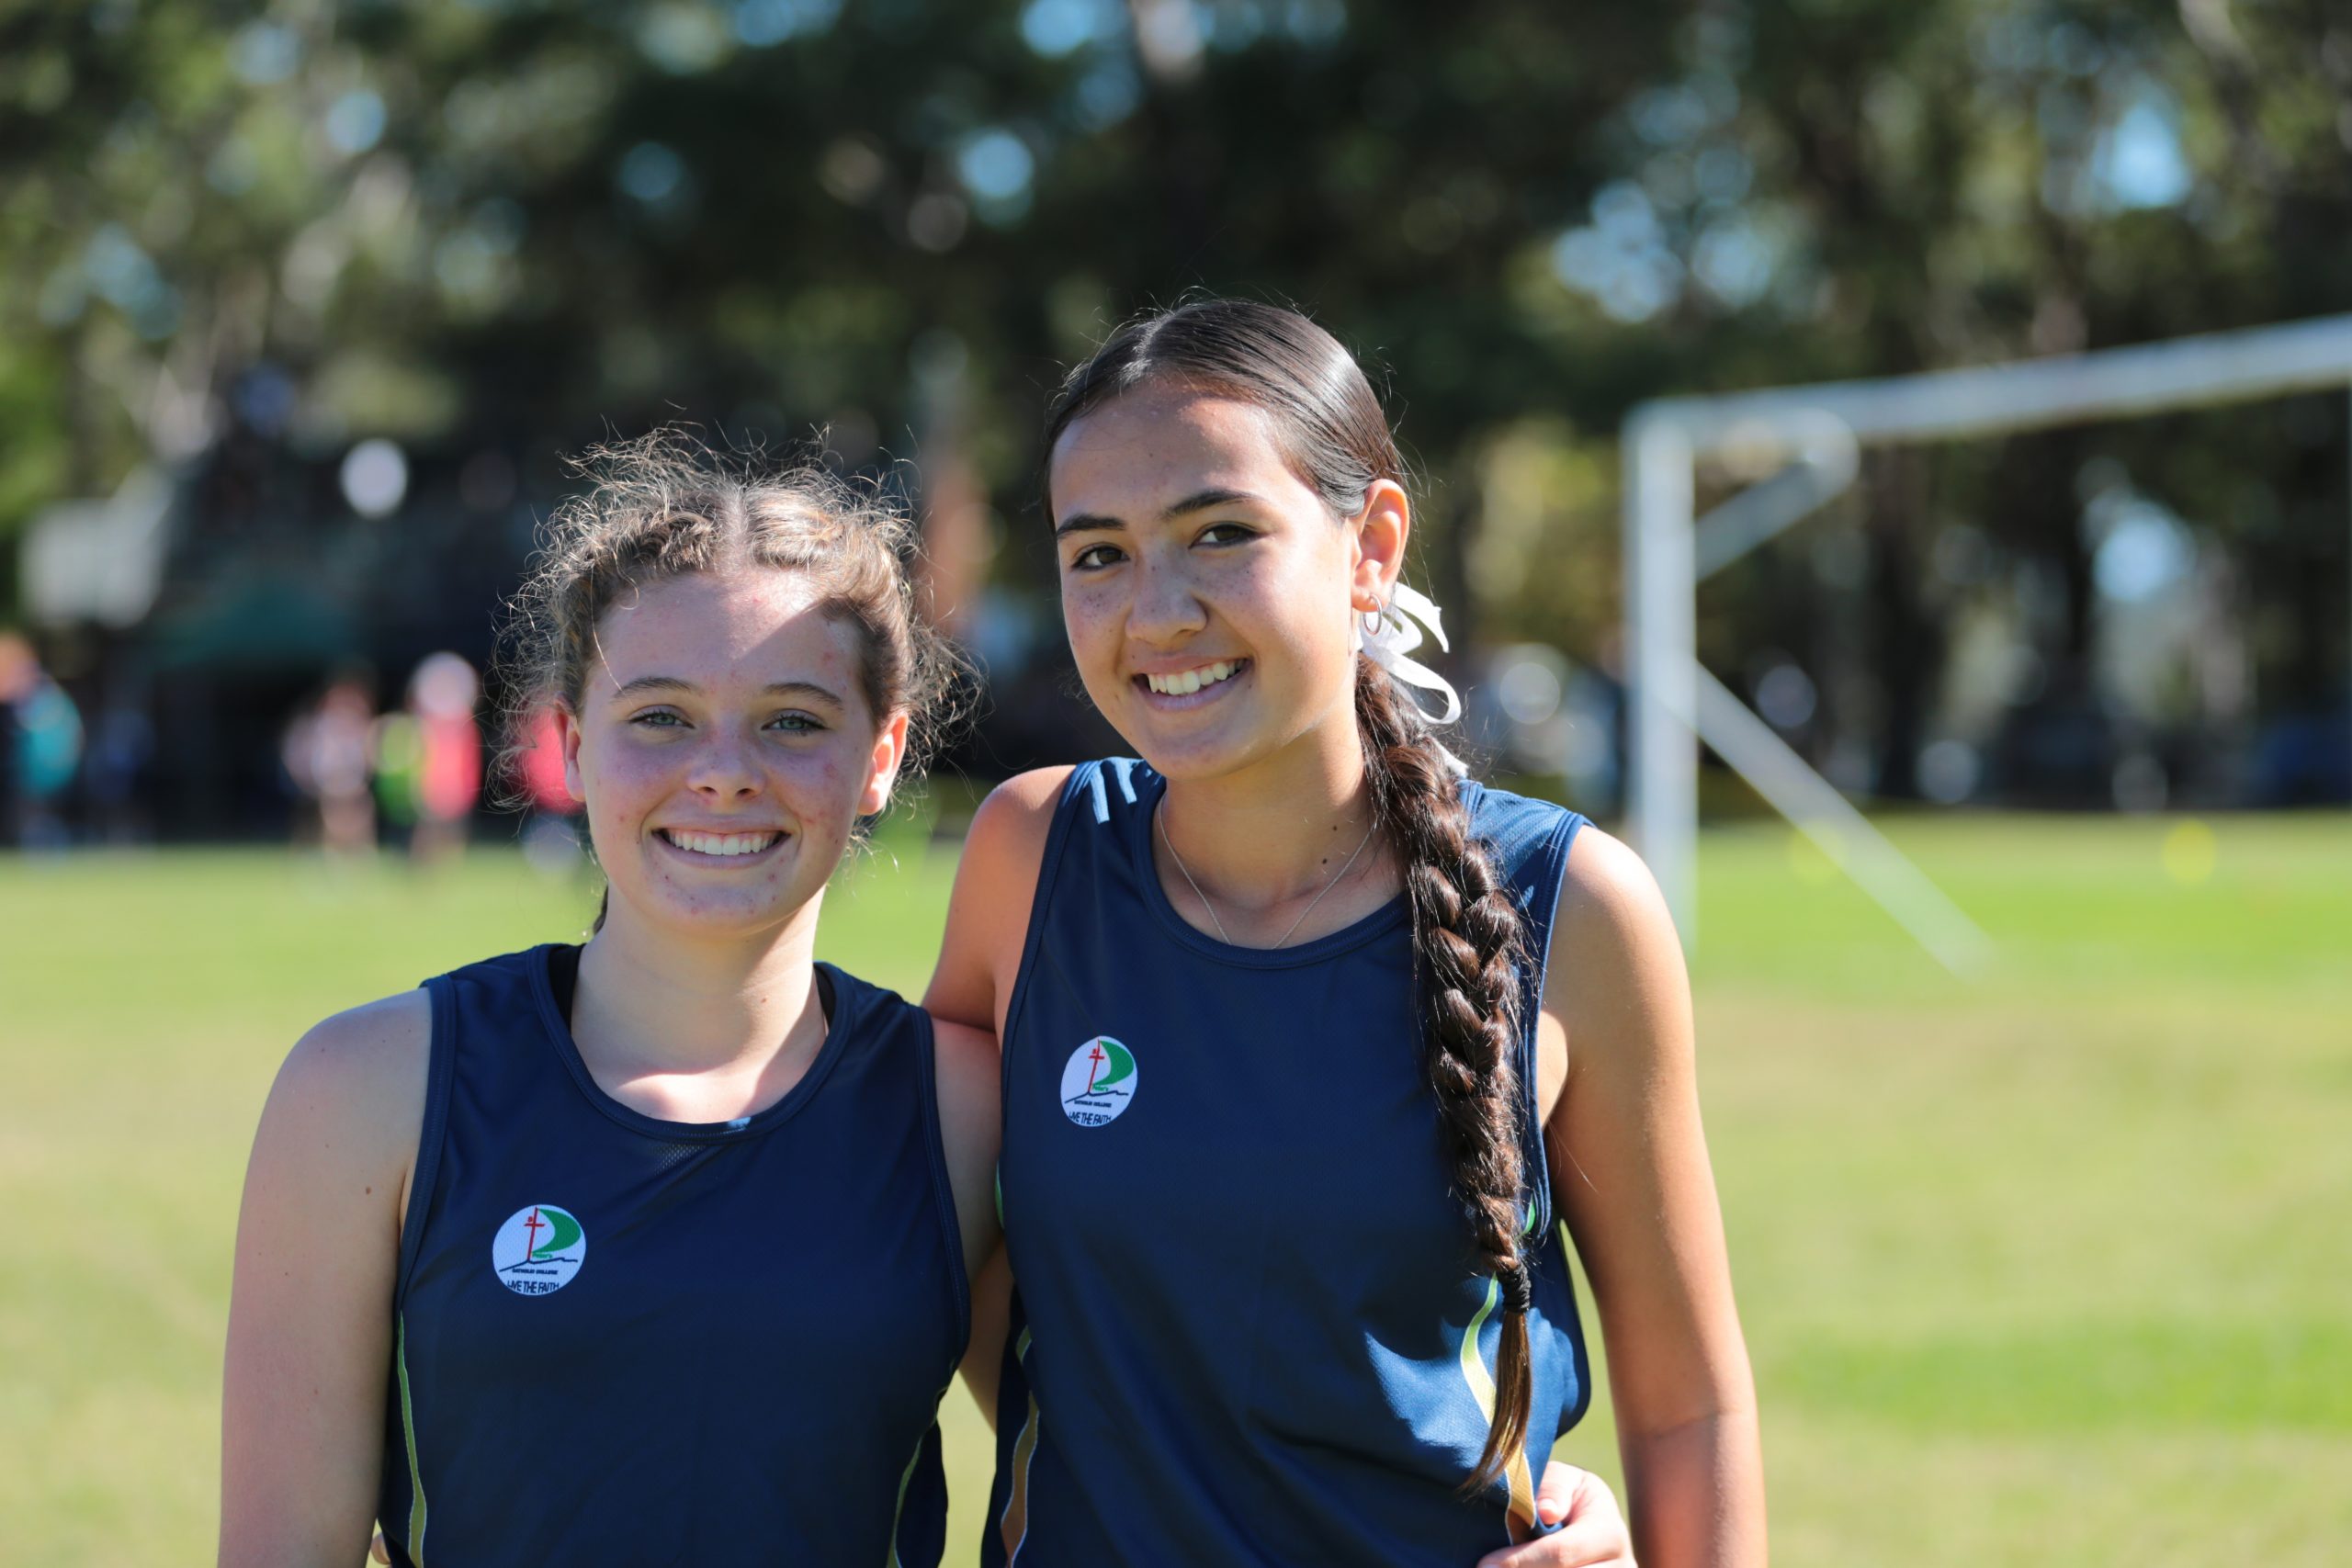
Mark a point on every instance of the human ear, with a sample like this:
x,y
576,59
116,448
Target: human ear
x,y
1380,531
566,735
889,754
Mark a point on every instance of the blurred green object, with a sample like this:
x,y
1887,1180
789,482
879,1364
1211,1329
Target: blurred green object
x,y
400,767
2047,1269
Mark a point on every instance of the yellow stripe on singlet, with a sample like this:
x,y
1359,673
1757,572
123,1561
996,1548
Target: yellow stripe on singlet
x,y
1520,1516
416,1512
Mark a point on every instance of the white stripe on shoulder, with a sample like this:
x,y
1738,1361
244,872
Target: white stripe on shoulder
x,y
1101,795
1126,766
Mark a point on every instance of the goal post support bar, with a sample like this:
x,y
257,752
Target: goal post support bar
x,y
1812,435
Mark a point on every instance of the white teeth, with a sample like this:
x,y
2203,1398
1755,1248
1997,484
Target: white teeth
x,y
1186,682
722,844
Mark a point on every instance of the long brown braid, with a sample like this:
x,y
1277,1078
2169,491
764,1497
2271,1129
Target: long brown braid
x,y
1468,936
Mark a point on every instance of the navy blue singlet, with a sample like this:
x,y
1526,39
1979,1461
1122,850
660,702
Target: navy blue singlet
x,y
624,1340
1248,1327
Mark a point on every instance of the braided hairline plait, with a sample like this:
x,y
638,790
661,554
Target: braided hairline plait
x,y
1468,938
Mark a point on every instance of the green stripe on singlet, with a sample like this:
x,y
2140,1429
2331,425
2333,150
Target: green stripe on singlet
x,y
907,1476
416,1478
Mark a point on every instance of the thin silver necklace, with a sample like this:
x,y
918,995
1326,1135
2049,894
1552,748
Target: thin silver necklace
x,y
1337,878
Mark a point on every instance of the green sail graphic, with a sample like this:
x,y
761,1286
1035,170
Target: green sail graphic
x,y
1122,1064
566,1231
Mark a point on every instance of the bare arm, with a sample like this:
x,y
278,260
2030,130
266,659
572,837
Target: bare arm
x,y
987,914
988,925
309,1313
969,1125
983,1365
1631,1175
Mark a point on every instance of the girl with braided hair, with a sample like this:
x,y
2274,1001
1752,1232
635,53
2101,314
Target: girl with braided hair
x,y
1310,1044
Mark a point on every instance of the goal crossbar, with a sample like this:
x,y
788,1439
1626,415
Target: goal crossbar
x,y
1806,440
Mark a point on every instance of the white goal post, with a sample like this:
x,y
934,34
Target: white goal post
x,y
1815,434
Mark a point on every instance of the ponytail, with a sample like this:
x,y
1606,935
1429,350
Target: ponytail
x,y
1467,942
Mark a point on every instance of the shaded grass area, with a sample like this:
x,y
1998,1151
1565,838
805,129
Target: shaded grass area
x,y
2047,1265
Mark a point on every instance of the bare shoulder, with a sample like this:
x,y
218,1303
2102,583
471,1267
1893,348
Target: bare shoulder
x,y
1615,953
996,884
382,1042
1012,823
357,1080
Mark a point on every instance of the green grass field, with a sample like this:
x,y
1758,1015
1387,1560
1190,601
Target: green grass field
x,y
2053,1267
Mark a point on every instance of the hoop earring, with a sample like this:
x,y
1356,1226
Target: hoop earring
x,y
1371,621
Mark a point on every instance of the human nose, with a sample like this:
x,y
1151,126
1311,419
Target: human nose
x,y
723,767
1167,607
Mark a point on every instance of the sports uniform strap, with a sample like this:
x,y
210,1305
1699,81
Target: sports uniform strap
x,y
441,1067
1529,841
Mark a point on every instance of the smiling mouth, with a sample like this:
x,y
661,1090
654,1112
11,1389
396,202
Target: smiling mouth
x,y
719,846
1186,683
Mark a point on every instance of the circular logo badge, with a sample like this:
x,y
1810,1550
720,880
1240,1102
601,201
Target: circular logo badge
x,y
538,1251
1099,1083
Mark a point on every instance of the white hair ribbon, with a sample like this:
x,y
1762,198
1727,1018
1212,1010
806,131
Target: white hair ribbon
x,y
1391,642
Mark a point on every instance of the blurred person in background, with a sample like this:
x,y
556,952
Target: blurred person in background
x,y
17,670
551,839
122,747
327,752
42,731
441,698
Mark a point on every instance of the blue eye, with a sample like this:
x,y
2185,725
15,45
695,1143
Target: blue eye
x,y
795,723
660,718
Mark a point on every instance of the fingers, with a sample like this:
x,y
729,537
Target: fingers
x,y
379,1552
1556,1498
1592,1535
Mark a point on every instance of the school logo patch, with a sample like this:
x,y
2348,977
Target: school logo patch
x,y
538,1251
1099,1083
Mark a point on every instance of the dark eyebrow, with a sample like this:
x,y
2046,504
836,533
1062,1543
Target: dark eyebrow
x,y
1202,500
646,684
1199,501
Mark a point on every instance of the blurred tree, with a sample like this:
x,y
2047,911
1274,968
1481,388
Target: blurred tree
x,y
506,225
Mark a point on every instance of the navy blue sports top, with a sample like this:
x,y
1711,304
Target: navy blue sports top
x,y
1248,1324
624,1340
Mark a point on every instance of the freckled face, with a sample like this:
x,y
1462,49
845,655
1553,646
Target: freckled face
x,y
1206,587
724,750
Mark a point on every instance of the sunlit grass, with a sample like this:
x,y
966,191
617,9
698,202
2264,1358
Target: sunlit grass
x,y
2044,1266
